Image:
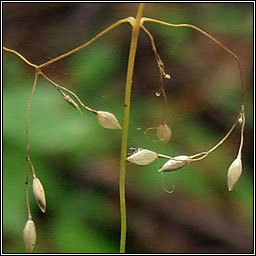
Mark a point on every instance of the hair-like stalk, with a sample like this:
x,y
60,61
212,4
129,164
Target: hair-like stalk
x,y
242,117
26,192
28,161
207,35
133,47
162,73
202,155
116,24
61,88
20,56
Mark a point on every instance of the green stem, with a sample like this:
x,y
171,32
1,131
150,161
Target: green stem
x,y
133,46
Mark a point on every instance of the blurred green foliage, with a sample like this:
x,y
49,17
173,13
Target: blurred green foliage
x,y
67,147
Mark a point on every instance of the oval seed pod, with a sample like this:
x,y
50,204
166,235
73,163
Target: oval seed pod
x,y
108,120
240,120
174,163
68,99
39,194
29,235
234,173
167,76
163,132
143,157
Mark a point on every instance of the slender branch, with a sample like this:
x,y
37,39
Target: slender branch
x,y
202,155
28,111
198,156
132,53
86,44
67,90
26,193
210,37
19,55
28,144
31,165
129,20
164,156
162,73
160,63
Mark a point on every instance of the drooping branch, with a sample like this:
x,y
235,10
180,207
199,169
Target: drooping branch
x,y
207,35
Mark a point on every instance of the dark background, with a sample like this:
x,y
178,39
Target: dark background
x,y
78,161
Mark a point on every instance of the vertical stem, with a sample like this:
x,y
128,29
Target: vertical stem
x,y
133,46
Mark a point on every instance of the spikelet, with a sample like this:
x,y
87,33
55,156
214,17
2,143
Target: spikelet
x,y
39,194
29,235
108,120
167,76
143,157
240,120
163,132
234,173
68,99
174,163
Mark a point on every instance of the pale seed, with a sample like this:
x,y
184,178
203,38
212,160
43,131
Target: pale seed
x,y
71,102
39,194
29,235
163,132
143,157
174,163
108,120
234,173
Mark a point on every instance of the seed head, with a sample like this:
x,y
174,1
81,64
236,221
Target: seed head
x,y
39,194
29,235
167,76
234,173
68,99
163,132
108,120
174,163
143,157
240,120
